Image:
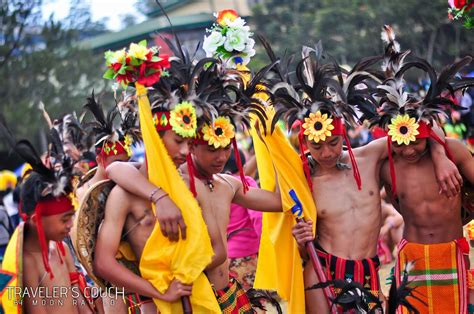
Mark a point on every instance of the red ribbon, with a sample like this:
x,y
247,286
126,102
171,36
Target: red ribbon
x,y
192,173
306,169
245,184
392,166
355,169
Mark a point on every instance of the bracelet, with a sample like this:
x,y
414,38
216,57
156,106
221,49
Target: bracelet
x,y
150,198
159,198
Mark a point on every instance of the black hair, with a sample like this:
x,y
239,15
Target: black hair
x,y
88,156
231,164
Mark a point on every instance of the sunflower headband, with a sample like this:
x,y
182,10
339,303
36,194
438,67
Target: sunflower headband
x,y
218,134
182,120
404,129
317,127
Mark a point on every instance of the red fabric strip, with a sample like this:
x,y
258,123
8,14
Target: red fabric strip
x,y
392,166
239,165
306,169
355,168
192,173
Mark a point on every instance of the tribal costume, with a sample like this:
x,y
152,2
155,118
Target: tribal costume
x,y
364,272
187,95
233,300
110,141
47,191
439,275
319,102
236,106
440,268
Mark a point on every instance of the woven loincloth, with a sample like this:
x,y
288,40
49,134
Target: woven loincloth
x,y
233,300
439,275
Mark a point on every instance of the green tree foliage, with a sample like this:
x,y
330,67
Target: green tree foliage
x,y
43,63
350,30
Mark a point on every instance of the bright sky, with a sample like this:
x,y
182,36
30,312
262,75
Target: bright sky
x,y
100,9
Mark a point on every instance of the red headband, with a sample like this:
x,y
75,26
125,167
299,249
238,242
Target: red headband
x,y
50,207
161,119
111,149
339,129
424,131
199,140
338,125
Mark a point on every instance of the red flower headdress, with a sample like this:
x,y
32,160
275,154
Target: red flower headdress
x,y
139,64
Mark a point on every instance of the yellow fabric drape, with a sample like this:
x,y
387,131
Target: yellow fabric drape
x,y
184,260
13,265
279,263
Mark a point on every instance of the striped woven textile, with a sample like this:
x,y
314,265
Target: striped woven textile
x,y
439,275
363,271
233,300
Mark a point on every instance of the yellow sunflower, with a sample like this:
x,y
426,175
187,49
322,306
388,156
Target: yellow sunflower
x,y
317,126
183,119
220,134
403,129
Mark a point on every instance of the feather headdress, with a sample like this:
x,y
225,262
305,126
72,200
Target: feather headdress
x,y
408,116
73,131
392,96
129,124
110,141
315,99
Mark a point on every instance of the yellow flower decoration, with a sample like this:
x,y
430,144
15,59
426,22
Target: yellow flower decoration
x,y
128,144
118,56
183,119
317,126
138,51
220,134
403,129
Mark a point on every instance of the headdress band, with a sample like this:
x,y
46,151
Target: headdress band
x,y
50,207
424,131
338,129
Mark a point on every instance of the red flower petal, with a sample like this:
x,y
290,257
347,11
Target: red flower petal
x,y
116,66
149,55
142,69
150,79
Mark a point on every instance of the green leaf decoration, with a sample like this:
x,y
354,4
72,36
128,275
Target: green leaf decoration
x,y
135,62
109,74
